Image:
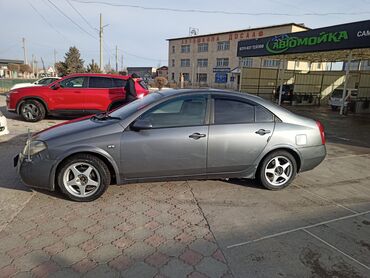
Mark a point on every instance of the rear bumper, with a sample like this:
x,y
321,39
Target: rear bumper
x,y
35,172
311,157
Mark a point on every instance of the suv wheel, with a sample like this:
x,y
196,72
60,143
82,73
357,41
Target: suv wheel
x,y
278,170
32,111
83,177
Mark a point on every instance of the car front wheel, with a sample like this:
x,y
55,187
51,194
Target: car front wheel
x,y
32,111
278,170
83,177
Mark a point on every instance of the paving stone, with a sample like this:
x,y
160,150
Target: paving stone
x,y
197,274
21,274
185,238
139,233
109,221
8,271
191,257
76,238
172,248
69,256
102,270
176,268
94,229
139,250
211,267
45,269
11,242
82,223
203,247
90,245
31,260
42,241
155,240
64,231
51,225
140,269
18,251
64,273
108,236
123,242
139,220
218,255
84,266
125,227
121,263
20,226
55,248
4,260
105,253
152,225
169,232
157,259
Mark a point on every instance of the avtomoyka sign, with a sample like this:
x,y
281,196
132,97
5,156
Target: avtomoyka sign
x,y
339,37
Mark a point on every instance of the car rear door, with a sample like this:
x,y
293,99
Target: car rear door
x,y
97,96
70,95
175,146
239,132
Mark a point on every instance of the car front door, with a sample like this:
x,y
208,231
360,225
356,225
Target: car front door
x,y
238,134
175,145
69,96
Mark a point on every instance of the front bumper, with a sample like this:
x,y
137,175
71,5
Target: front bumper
x,y
36,171
311,157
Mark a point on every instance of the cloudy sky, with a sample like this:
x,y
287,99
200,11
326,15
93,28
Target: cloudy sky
x,y
141,33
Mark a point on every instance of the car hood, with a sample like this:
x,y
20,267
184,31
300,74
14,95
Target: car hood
x,y
77,130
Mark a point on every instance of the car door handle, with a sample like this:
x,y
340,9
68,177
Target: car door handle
x,y
262,131
196,135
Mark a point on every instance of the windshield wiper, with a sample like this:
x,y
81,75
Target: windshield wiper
x,y
104,116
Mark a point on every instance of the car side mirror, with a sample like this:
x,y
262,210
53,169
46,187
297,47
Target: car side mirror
x,y
141,124
56,86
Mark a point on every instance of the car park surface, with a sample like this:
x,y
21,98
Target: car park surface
x,y
317,227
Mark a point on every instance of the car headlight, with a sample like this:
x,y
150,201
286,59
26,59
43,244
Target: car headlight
x,y
34,147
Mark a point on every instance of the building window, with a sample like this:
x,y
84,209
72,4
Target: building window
x,y
246,62
173,76
269,63
185,62
173,62
202,77
185,48
203,47
173,49
222,46
222,62
186,76
319,65
202,63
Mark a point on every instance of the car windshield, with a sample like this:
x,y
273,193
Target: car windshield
x,y
136,105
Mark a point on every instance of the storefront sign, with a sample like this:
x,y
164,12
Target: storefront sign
x,y
220,77
339,37
221,70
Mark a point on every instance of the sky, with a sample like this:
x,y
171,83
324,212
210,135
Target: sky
x,y
141,34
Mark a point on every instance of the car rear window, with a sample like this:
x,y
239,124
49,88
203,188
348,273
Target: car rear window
x,y
119,83
143,85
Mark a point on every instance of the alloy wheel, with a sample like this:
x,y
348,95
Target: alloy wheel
x,y
278,171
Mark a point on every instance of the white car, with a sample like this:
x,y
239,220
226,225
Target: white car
x,y
3,125
41,82
336,100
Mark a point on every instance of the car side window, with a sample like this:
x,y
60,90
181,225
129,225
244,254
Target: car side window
x,y
118,83
263,115
188,111
73,82
100,82
42,81
230,111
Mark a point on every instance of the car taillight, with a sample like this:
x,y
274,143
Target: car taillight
x,y
322,132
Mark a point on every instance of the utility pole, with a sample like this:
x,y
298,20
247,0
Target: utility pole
x,y
101,41
55,57
116,58
33,64
122,62
24,51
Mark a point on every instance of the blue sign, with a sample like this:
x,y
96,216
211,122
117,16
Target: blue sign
x,y
221,69
220,77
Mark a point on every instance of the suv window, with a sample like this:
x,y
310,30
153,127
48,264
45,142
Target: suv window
x,y
119,83
73,82
263,115
229,111
100,82
176,113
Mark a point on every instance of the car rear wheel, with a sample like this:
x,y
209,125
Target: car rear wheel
x,y
83,177
277,170
32,111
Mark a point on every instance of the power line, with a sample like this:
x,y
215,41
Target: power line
x,y
217,11
83,18
74,22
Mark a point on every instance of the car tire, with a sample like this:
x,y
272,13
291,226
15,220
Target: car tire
x,y
77,184
32,110
278,169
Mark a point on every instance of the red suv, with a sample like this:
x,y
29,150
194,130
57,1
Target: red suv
x,y
75,94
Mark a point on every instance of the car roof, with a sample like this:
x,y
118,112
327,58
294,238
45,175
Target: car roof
x,y
97,75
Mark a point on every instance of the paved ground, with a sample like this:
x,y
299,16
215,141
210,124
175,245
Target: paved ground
x,y
318,227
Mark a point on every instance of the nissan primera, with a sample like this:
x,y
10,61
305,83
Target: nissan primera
x,y
176,135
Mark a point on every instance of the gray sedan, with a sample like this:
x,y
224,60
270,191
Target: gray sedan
x,y
176,135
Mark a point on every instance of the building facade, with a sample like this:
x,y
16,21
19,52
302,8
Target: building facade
x,y
162,72
211,60
146,73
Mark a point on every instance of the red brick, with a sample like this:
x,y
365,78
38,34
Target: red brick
x,y
219,256
89,245
185,238
84,266
45,269
152,213
157,259
55,248
125,227
18,251
155,240
123,242
121,263
191,257
7,271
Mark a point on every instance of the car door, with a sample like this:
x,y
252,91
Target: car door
x,y
174,146
69,96
97,95
239,132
